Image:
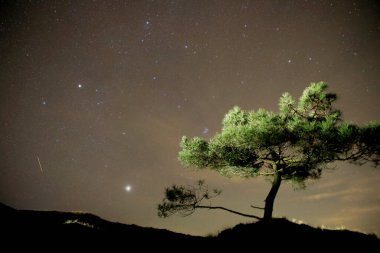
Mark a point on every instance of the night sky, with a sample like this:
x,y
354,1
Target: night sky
x,y
96,95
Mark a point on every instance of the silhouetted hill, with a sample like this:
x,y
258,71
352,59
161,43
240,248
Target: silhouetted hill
x,y
282,233
52,230
39,228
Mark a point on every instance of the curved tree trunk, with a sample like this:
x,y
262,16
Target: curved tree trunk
x,y
269,201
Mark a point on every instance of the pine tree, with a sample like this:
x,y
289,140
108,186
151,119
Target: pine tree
x,y
295,144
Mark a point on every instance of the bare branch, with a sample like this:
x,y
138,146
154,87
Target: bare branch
x,y
231,211
257,207
184,200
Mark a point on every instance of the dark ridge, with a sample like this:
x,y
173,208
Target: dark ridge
x,y
40,228
282,233
53,230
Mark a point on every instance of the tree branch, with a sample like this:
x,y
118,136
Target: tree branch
x,y
184,200
270,173
267,173
257,207
229,210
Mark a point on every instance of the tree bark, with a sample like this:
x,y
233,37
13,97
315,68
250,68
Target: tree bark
x,y
269,201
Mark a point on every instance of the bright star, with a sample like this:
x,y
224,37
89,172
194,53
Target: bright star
x,y
80,86
128,188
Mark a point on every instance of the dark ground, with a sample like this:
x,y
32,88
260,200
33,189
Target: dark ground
x,y
61,231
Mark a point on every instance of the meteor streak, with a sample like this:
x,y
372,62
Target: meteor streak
x,y
39,163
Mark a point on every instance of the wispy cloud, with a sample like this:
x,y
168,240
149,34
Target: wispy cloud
x,y
342,194
329,184
347,215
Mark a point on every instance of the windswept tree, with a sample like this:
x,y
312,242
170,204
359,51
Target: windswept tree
x,y
295,144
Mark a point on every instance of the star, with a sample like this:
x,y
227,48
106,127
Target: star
x,y
147,25
130,79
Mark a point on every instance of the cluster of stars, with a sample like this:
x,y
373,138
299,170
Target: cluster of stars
x,y
108,78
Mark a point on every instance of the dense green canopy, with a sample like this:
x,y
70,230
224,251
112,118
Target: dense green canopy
x,y
294,144
297,142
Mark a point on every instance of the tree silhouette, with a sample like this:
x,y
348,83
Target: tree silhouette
x,y
295,144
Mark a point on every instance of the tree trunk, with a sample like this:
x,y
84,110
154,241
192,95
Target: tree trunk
x,y
269,201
